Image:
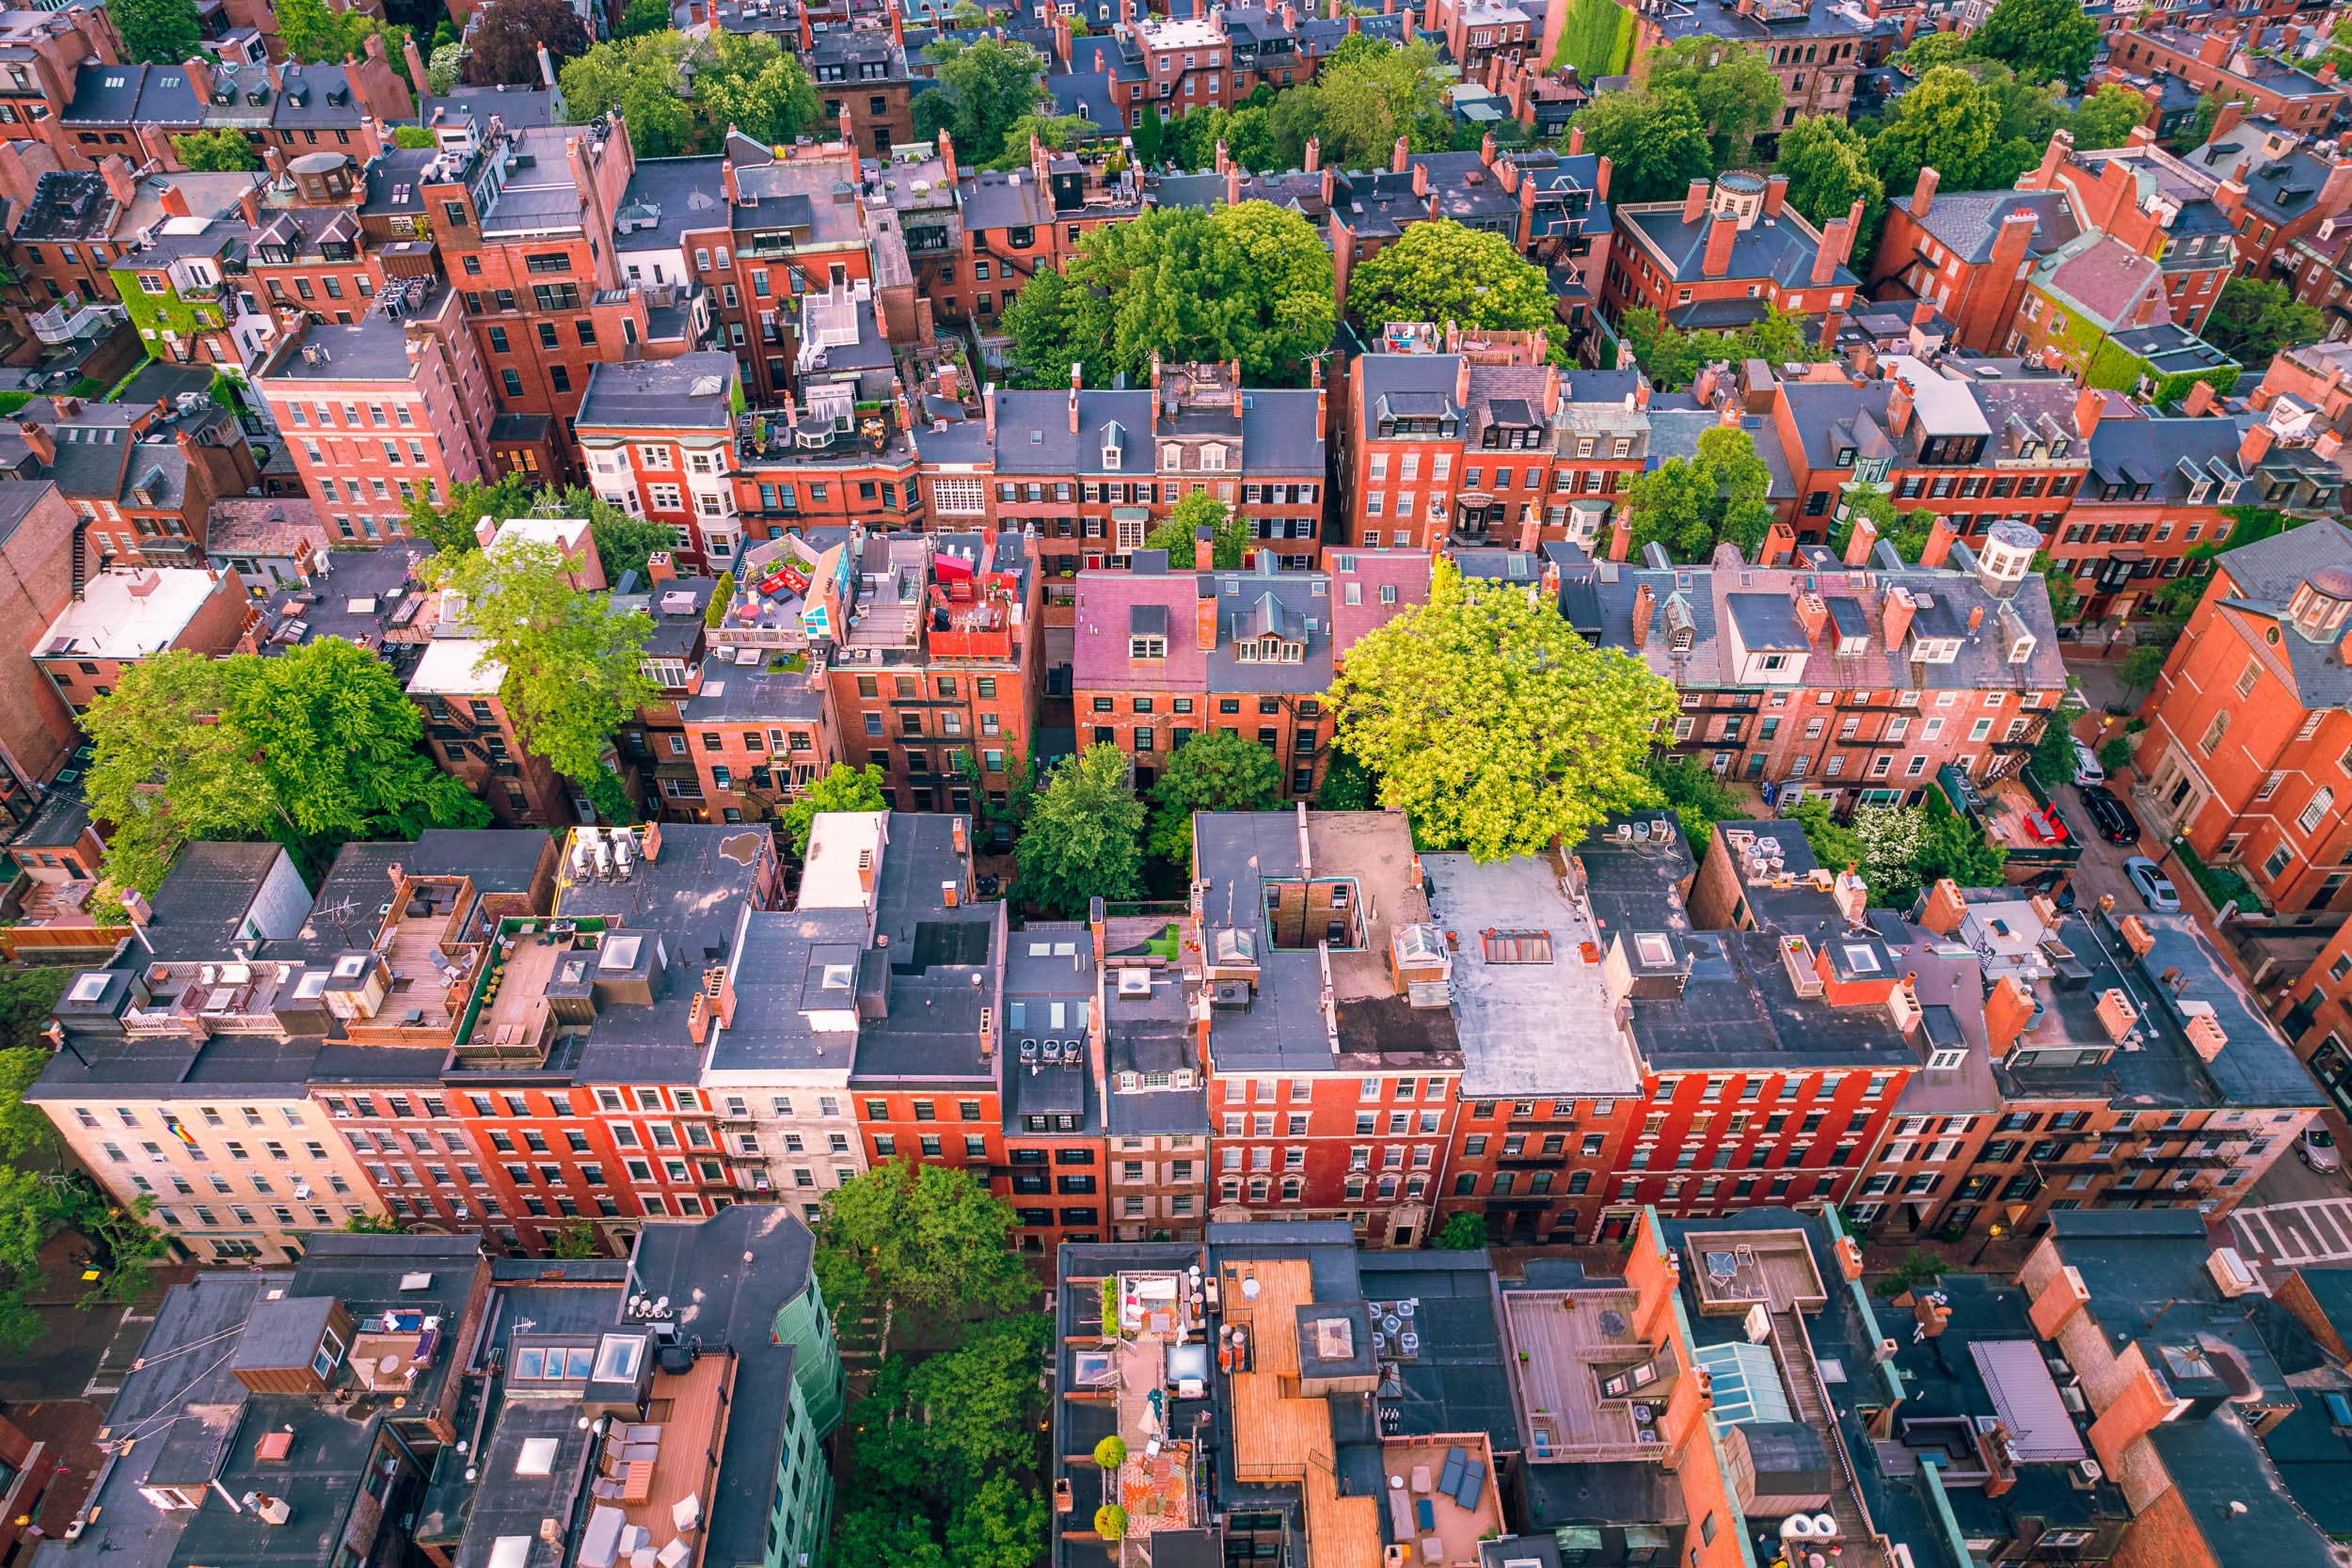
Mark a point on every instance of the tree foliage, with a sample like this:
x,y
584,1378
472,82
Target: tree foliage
x,y
1906,531
842,789
316,33
1946,122
644,16
442,73
641,77
1229,532
985,86
1657,143
1056,132
749,81
1672,358
163,32
450,528
1697,796
1442,272
1690,504
215,151
505,43
1829,169
623,544
925,1243
316,747
2106,117
2255,318
1462,1234
1732,89
2039,39
570,665
1084,835
1346,784
1251,282
1214,771
1366,95
1492,723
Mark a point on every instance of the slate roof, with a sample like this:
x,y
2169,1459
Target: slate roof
x,y
657,394
1967,222
1783,251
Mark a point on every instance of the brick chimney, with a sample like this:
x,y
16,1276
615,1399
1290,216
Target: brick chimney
x,y
414,59
38,440
2254,446
1831,251
2226,118
1078,381
1601,170
121,183
2007,1012
1314,154
1897,405
1461,381
1938,549
660,567
2230,196
1944,908
175,202
1780,542
1204,549
1923,194
988,404
1694,201
1775,194
1719,235
1644,606
200,72
1576,141
1401,157
1895,617
1205,618
1865,533
2061,144
1620,536
2200,399
2088,405
2214,50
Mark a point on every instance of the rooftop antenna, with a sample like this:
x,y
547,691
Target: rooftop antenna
x,y
338,915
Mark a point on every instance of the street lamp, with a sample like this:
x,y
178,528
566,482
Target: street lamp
x,y
1992,1235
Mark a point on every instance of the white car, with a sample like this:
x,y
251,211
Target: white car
x,y
2087,769
2318,1149
2153,885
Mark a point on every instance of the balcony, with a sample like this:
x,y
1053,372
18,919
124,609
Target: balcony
x,y
68,320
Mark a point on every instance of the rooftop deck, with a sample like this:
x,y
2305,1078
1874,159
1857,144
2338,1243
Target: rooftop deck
x,y
1441,1531
1279,1437
1571,1340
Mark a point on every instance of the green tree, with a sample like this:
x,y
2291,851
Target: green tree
x,y
1590,37
2052,763
893,1532
450,528
997,1526
1057,132
644,16
1930,50
2106,117
2039,39
1442,272
1347,785
984,87
643,78
570,675
1828,166
316,33
2141,667
412,138
1833,846
440,73
1250,282
1698,795
215,151
2115,752
1671,358
163,774
577,1240
1946,122
1365,97
1734,88
1150,136
929,1241
623,544
2254,318
1656,141
842,789
1215,770
370,1225
1084,835
1690,504
1906,531
1493,725
980,1402
1176,532
748,81
342,746
163,32
1462,1234
1951,847
2064,599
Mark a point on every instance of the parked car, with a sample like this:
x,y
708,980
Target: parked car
x,y
2114,819
2087,769
2318,1148
2155,888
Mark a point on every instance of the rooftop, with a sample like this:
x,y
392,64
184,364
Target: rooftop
x,y
129,615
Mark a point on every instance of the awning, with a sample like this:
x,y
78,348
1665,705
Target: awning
x,y
2026,1399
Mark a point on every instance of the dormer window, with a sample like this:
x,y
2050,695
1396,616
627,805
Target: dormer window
x,y
1147,648
1270,650
1110,457
1171,456
1213,458
1845,457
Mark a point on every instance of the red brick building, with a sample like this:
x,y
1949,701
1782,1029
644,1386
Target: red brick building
x,y
2218,63
118,619
2246,740
1712,261
658,440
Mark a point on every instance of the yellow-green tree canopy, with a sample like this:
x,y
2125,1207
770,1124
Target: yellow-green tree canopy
x,y
1493,725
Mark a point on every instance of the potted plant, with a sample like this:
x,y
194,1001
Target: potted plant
x,y
1111,1452
1110,1522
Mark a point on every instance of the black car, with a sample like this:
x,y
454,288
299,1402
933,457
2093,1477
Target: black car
x,y
2116,823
